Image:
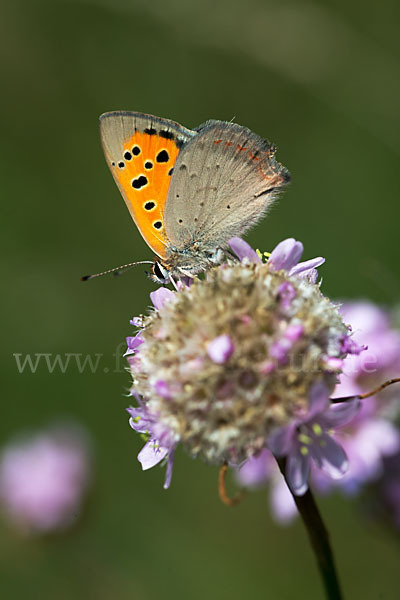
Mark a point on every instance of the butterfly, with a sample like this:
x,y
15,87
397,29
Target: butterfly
x,y
189,191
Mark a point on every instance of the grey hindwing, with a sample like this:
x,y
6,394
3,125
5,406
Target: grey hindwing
x,y
225,179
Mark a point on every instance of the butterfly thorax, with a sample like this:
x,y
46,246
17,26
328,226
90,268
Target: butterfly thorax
x,y
187,262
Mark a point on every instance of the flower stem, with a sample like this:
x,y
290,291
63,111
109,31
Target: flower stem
x,y
223,494
367,394
319,539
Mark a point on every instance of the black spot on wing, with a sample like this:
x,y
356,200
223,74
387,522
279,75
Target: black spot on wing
x,y
139,182
162,156
168,135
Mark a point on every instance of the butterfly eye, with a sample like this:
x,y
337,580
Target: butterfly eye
x,y
160,273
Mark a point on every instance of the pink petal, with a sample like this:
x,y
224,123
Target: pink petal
x,y
330,456
220,349
281,439
297,472
139,419
283,506
294,332
365,318
332,363
318,400
133,343
341,414
160,296
381,434
136,321
286,293
243,250
151,454
280,349
170,466
285,255
307,265
162,388
257,469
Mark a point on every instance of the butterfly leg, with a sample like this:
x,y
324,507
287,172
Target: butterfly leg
x,y
186,273
174,283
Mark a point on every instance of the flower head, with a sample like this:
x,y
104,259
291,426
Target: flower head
x,y
225,362
371,439
43,479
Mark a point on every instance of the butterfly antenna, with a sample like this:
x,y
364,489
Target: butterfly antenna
x,y
117,270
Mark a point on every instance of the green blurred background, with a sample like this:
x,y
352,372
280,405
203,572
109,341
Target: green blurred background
x,y
321,80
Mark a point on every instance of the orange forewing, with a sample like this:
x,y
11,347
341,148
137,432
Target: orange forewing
x,y
144,174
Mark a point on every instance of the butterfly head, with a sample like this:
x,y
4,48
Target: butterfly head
x,y
186,263
159,273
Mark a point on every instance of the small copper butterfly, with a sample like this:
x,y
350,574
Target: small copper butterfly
x,y
189,191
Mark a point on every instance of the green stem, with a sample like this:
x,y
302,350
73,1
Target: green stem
x,y
319,539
